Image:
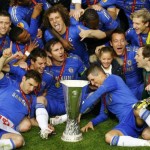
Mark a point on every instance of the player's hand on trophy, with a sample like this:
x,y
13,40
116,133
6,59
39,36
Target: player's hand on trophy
x,y
88,126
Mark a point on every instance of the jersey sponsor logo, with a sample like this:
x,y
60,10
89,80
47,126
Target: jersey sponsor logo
x,y
71,70
15,95
104,1
129,62
20,24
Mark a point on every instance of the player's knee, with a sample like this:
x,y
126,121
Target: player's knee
x,y
19,141
42,99
108,138
146,134
26,126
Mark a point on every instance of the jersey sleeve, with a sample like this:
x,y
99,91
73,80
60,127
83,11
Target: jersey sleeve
x,y
108,86
47,35
102,116
107,21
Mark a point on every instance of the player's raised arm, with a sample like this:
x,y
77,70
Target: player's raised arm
x,y
6,54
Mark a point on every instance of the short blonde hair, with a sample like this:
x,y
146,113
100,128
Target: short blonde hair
x,y
143,13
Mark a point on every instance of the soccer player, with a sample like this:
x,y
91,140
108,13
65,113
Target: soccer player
x,y
38,60
17,102
94,20
23,42
129,6
143,61
64,67
5,23
78,7
118,99
58,19
25,13
133,75
137,35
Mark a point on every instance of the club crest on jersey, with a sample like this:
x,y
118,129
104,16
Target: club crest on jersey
x,y
70,39
104,1
71,70
20,24
129,62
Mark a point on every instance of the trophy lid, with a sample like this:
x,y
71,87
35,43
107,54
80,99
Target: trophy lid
x,y
75,83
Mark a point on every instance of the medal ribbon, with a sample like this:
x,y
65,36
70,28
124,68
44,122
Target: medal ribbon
x,y
34,2
28,102
2,44
18,48
125,61
88,2
133,6
104,102
140,40
67,33
61,71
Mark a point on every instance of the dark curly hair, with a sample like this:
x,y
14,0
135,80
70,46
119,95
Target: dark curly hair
x,y
56,8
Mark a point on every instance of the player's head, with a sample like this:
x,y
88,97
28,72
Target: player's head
x,y
5,23
19,35
118,41
96,75
106,55
143,57
57,17
141,20
30,81
20,2
90,19
38,60
55,51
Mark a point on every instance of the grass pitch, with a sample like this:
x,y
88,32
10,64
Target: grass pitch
x,y
92,140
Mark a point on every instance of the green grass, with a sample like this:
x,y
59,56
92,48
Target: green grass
x,y
92,140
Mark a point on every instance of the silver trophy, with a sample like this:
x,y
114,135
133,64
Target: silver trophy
x,y
73,90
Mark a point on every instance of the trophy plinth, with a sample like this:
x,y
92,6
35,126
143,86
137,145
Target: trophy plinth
x,y
73,90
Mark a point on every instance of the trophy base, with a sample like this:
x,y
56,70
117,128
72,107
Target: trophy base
x,y
71,138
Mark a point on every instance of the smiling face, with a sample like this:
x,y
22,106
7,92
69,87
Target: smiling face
x,y
4,25
139,25
39,65
106,59
118,43
57,22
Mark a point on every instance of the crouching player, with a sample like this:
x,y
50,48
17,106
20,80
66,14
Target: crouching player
x,y
119,100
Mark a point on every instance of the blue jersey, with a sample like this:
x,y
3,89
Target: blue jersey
x,y
106,21
118,99
73,36
128,6
73,69
47,78
12,103
135,39
23,47
4,43
21,16
133,75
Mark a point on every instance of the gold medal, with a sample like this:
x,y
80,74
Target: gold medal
x,y
57,84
